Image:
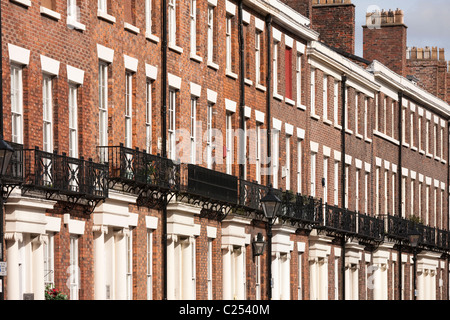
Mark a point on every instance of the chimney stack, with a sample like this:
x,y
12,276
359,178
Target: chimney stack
x,y
384,39
335,22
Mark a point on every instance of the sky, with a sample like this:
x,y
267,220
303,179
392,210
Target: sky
x,y
428,21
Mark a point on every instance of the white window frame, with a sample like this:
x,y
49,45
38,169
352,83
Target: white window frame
x,y
275,67
313,173
209,129
336,183
325,176
149,264
74,278
258,153
148,116
258,34
300,277
377,112
377,191
47,114
103,108
72,11
356,113
229,143
394,180
128,109
393,119
313,91
288,162
325,96
419,132
172,23
385,114
366,111
193,129
210,35
275,157
49,260
193,26
73,121
366,192
228,44
336,102
357,197
209,269
16,104
346,200
129,264
411,130
148,16
103,6
172,123
298,70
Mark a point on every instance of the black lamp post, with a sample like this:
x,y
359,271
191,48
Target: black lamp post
x,y
413,237
271,205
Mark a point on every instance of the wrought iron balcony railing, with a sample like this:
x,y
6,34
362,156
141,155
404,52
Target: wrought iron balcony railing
x,y
301,209
14,172
250,195
443,239
397,228
58,174
370,228
340,220
133,169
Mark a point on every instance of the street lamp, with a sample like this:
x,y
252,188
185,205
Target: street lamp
x,y
271,205
414,237
258,245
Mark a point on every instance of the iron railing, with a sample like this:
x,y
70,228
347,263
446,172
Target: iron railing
x,y
14,173
250,195
339,220
443,239
59,174
370,228
140,170
302,209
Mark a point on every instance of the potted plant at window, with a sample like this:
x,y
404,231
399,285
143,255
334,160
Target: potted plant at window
x,y
52,294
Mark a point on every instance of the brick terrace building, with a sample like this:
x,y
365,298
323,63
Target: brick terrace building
x,y
98,97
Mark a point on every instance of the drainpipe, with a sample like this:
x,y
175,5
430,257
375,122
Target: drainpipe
x,y
268,92
400,189
344,102
242,138
164,137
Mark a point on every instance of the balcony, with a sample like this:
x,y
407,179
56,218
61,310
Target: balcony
x,y
14,172
370,228
210,186
305,211
250,195
133,170
339,220
59,177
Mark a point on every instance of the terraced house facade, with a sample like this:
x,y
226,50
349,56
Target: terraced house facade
x,y
147,132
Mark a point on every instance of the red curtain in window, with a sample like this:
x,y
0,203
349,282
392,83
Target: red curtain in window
x,y
288,72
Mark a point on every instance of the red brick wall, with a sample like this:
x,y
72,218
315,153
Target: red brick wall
x,y
336,25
